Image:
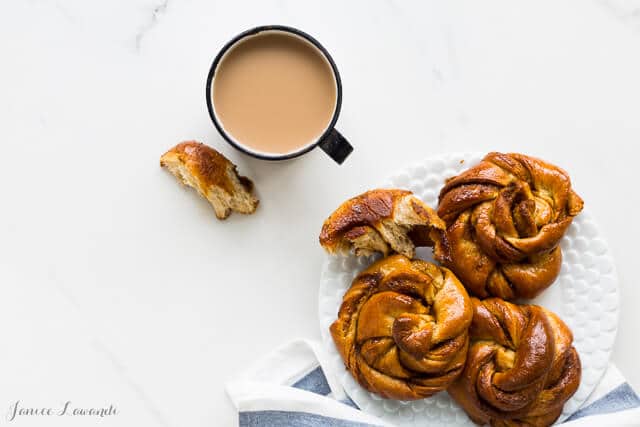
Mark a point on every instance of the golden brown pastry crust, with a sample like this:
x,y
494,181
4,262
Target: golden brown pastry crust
x,y
390,220
402,329
214,176
521,365
505,218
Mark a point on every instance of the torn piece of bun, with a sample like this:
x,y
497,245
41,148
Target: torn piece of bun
x,y
213,176
383,220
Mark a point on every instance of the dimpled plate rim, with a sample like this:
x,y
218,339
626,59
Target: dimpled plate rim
x,y
585,296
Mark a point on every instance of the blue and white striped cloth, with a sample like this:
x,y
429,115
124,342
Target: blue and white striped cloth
x,y
288,387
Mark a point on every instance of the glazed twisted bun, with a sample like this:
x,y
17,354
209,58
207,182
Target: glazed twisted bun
x,y
402,328
381,221
521,366
505,218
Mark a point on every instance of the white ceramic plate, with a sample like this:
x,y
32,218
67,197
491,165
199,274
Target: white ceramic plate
x,y
585,296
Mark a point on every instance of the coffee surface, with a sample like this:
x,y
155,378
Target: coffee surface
x,y
274,93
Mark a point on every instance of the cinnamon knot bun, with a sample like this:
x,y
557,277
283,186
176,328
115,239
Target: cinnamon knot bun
x,y
402,328
383,220
505,218
521,366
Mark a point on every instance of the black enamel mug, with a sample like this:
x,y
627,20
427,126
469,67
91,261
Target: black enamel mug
x,y
330,140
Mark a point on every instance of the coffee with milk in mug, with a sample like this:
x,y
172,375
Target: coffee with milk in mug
x,y
274,93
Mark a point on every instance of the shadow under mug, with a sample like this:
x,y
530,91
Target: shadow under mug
x,y
331,141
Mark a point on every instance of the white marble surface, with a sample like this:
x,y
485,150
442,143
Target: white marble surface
x,y
119,287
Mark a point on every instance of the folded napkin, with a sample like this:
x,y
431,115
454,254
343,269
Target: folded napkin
x,y
288,387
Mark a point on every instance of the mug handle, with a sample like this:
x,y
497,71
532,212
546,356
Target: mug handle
x,y
336,146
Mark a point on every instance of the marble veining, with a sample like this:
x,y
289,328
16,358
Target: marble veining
x,y
157,10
